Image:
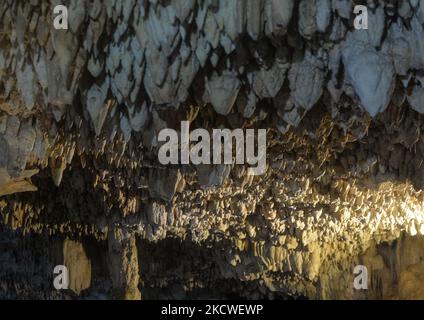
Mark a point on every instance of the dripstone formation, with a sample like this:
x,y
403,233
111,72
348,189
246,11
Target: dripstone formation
x,y
80,180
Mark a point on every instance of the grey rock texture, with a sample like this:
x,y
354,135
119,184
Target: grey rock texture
x,y
81,109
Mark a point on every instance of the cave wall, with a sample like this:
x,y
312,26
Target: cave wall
x,y
80,180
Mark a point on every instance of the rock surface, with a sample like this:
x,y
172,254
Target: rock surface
x,y
80,182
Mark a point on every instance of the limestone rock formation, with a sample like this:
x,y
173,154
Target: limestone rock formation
x,y
80,180
79,266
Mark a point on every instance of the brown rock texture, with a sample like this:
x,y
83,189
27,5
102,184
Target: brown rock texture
x,y
79,266
80,180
